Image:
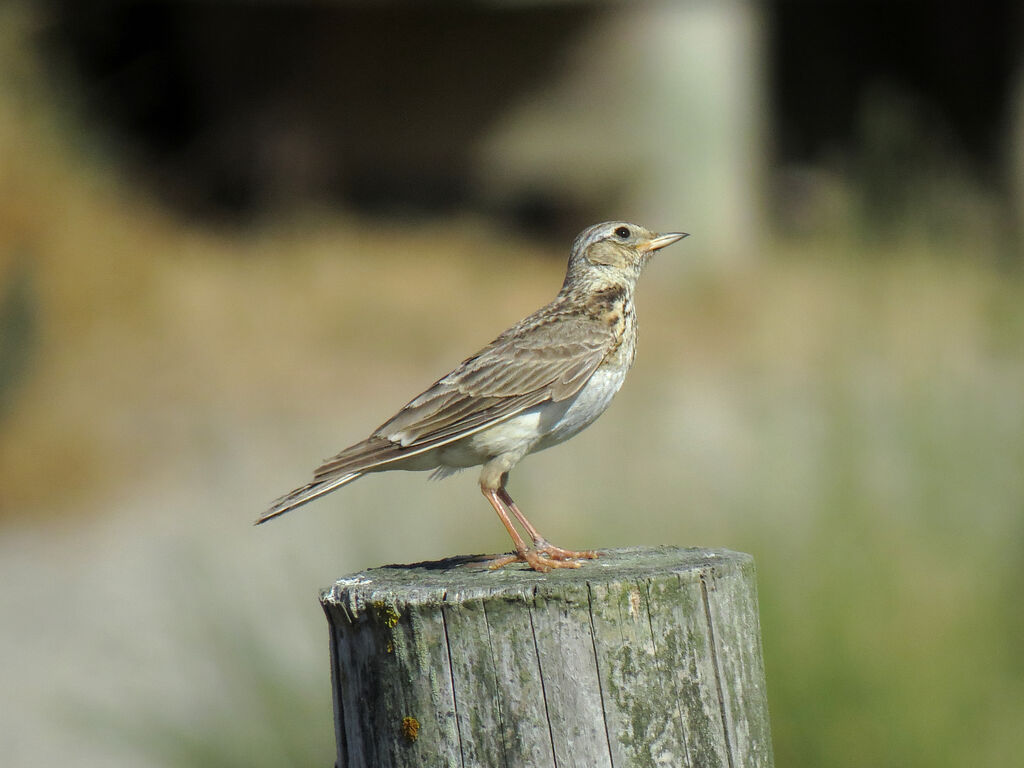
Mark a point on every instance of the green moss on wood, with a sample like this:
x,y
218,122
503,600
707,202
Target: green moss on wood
x,y
645,657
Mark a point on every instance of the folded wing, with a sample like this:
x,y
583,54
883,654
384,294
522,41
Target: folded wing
x,y
548,356
542,359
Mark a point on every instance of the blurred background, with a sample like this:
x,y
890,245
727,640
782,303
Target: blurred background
x,y
235,237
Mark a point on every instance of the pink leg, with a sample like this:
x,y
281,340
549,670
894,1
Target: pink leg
x,y
523,553
540,544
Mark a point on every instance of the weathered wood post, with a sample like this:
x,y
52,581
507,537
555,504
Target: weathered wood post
x,y
645,657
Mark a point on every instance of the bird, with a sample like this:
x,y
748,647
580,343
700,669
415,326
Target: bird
x,y
536,385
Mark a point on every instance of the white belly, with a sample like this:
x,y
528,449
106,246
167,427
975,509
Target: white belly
x,y
593,399
532,430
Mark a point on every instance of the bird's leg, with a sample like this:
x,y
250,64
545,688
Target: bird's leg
x,y
540,544
523,553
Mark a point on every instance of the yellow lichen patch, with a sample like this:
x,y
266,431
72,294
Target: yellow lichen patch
x,y
387,614
410,728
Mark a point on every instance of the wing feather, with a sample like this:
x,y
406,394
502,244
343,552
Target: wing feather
x,y
548,356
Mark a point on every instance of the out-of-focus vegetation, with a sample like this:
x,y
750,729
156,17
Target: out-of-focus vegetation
x,y
849,408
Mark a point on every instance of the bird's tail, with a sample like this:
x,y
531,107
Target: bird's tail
x,y
305,494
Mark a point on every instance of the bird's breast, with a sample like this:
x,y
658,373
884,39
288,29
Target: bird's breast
x,y
592,400
613,308
539,427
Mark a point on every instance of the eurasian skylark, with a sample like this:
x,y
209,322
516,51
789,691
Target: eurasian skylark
x,y
539,383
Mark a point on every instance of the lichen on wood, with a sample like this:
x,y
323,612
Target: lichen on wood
x,y
644,657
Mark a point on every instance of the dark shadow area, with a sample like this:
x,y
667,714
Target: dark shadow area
x,y
240,110
234,109
912,102
954,60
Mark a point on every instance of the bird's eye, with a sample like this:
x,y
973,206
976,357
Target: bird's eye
x,y
622,232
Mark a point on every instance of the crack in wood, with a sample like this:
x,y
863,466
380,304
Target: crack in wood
x,y
717,666
544,693
597,663
497,701
451,678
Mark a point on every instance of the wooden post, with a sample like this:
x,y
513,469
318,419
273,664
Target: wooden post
x,y
644,657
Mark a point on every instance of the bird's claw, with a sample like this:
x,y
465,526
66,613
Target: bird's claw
x,y
543,558
548,549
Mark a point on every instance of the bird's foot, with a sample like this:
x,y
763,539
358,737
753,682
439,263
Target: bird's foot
x,y
542,558
548,549
495,563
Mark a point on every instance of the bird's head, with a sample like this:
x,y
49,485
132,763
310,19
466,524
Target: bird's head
x,y
613,252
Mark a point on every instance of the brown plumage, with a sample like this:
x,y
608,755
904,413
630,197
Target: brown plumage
x,y
537,384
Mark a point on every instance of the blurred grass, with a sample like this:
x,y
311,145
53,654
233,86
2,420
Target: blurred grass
x,y
266,710
850,409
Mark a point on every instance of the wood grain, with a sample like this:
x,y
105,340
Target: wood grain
x,y
644,657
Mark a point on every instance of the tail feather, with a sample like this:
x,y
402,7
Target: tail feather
x,y
306,494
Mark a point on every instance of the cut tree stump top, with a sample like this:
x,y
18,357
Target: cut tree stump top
x,y
458,579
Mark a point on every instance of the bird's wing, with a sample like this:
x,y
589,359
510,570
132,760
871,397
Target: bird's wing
x,y
545,357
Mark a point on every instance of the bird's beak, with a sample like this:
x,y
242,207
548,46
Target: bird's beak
x,y
659,242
